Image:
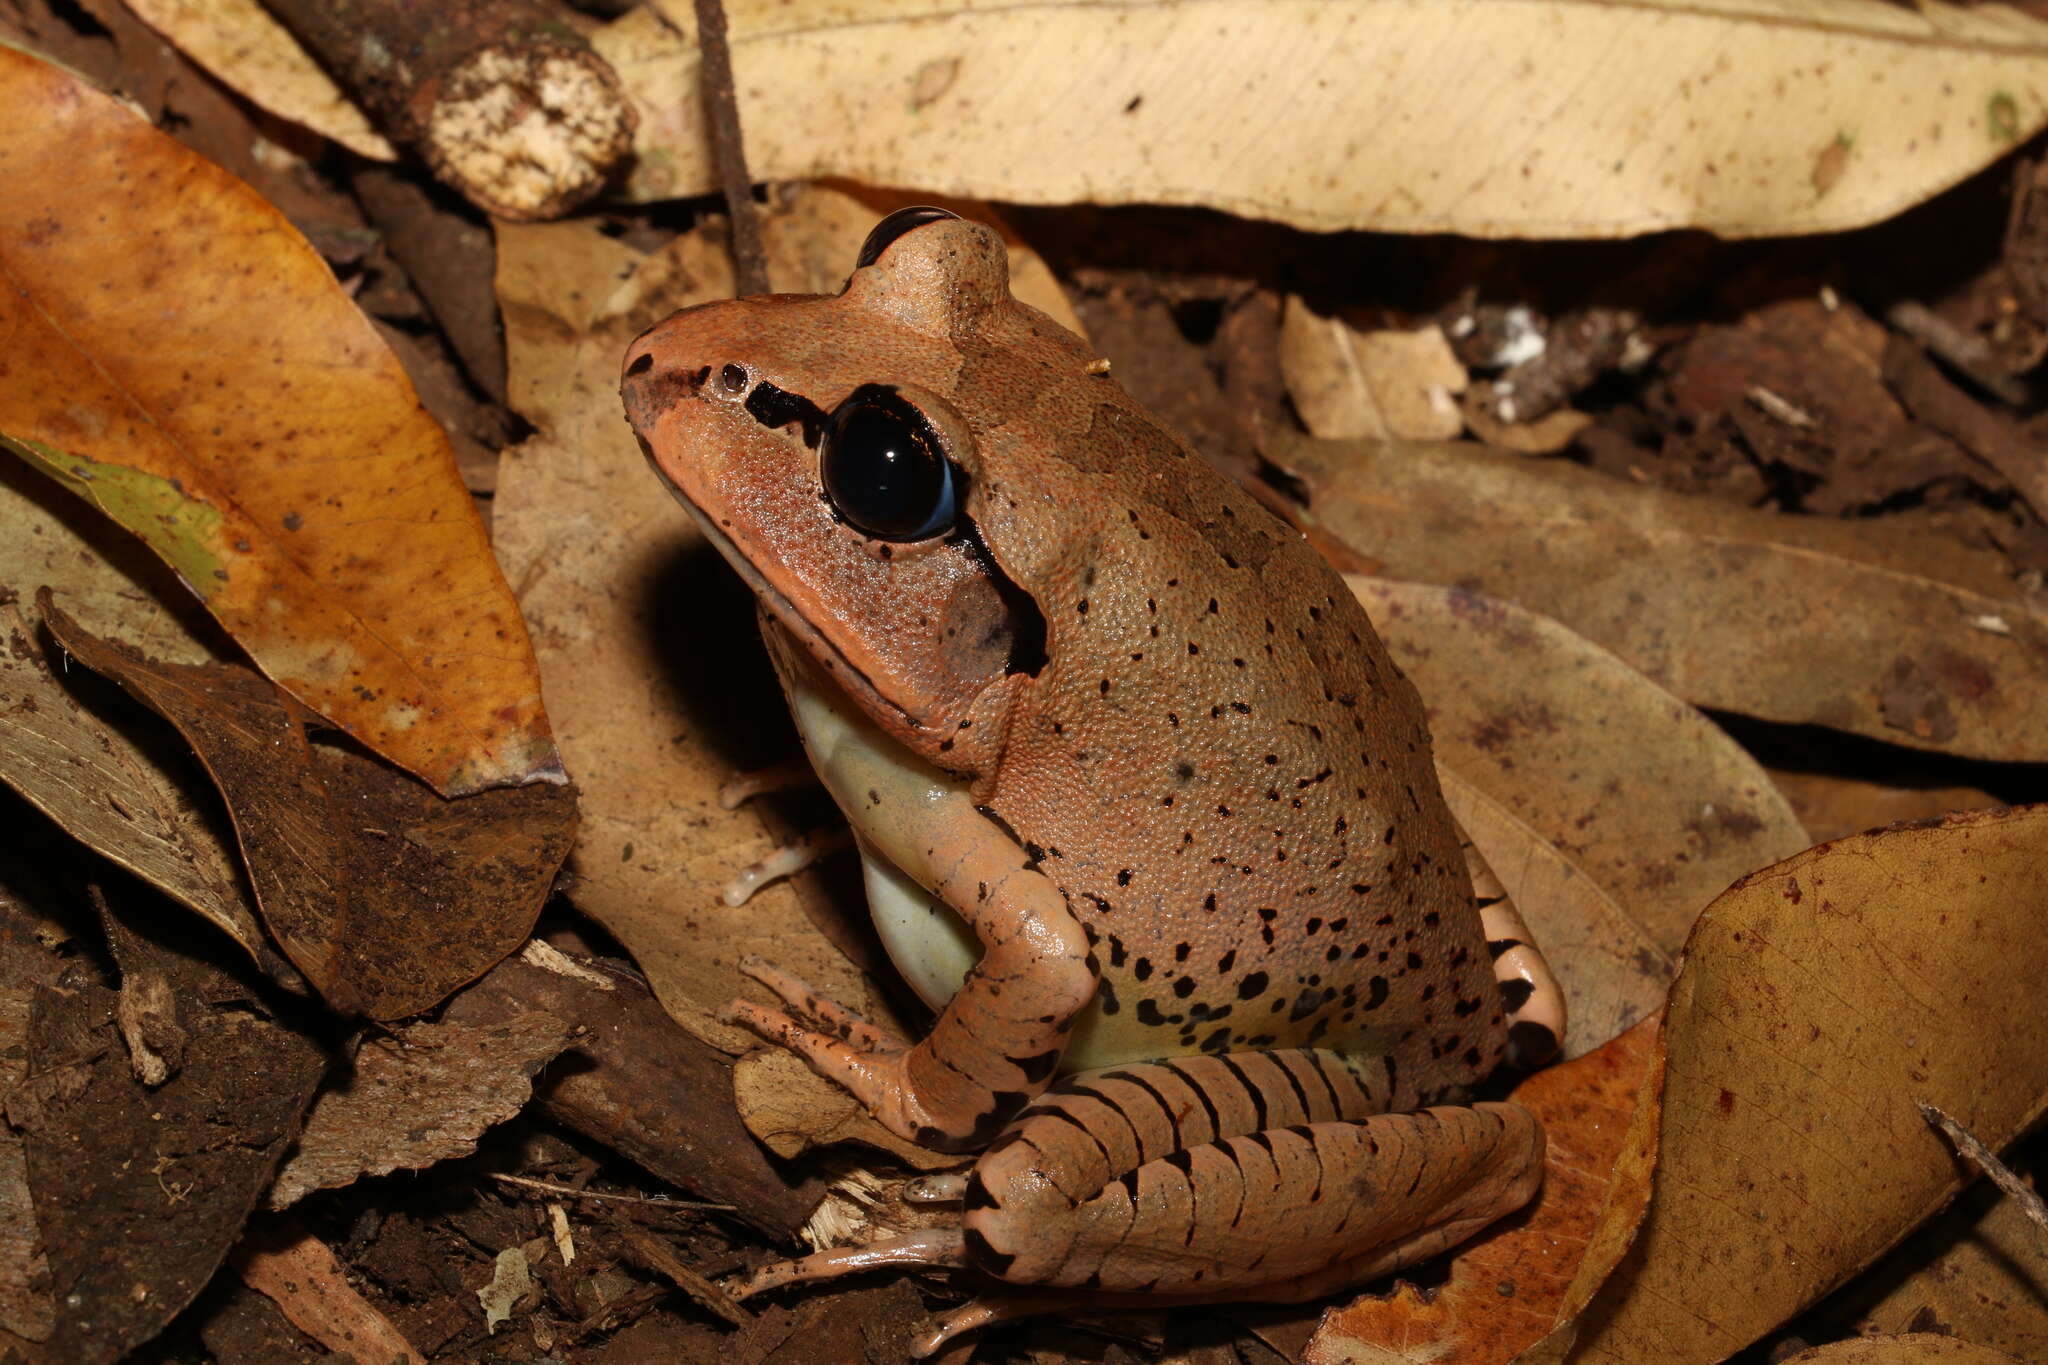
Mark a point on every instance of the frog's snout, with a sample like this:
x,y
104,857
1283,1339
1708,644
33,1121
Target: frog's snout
x,y
650,388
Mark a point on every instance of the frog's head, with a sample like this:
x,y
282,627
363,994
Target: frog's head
x,y
827,446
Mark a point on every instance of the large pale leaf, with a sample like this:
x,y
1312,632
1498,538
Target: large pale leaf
x,y
1821,1001
1572,118
179,356
1811,620
1612,812
240,42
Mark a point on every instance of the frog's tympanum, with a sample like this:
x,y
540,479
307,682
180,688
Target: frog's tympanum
x,y
1149,815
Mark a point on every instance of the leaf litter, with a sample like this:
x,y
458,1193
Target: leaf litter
x,y
1526,736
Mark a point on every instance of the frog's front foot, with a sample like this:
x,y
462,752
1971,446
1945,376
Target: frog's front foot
x,y
907,1090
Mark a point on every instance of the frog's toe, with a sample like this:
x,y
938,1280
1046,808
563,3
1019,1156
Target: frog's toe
x,y
821,1014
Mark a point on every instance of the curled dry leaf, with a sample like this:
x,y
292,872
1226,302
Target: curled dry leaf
x,y
662,692
1347,382
1820,1002
1808,620
1919,1348
385,895
121,794
1612,811
1507,1289
253,430
248,50
421,1094
1572,118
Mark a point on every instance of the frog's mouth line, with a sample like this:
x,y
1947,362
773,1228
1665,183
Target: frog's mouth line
x,y
843,671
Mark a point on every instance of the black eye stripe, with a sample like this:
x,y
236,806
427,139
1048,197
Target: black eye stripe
x,y
776,408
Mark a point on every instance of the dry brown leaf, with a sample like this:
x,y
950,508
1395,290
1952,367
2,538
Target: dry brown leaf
x,y
423,1093
1986,1280
1819,1003
1921,1348
1612,811
662,692
253,430
139,1192
1831,805
1574,118
251,52
1347,381
385,895
1507,1288
1809,620
121,794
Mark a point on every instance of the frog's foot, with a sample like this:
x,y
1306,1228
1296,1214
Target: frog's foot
x,y
787,860
1533,1000
790,775
909,1090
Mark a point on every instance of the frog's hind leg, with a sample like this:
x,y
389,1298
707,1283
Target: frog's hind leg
x,y
1534,1001
1265,1175
1259,1175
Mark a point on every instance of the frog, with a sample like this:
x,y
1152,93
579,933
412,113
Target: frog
x,y
1148,814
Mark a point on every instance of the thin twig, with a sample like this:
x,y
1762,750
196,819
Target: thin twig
x,y
722,110
1980,1156
571,1192
1968,353
657,1256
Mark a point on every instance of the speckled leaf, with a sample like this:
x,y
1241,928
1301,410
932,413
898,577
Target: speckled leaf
x,y
1612,811
175,353
1508,1286
1808,620
385,895
1506,118
421,1094
121,791
1819,1003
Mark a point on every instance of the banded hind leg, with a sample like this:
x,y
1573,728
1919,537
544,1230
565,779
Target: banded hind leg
x,y
1530,995
1264,1175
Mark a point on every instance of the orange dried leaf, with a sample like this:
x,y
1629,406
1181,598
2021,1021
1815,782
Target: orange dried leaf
x,y
174,352
1599,1117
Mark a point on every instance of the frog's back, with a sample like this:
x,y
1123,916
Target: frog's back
x,y
1224,771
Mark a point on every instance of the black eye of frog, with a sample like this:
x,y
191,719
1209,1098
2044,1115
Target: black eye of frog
x,y
884,233
885,469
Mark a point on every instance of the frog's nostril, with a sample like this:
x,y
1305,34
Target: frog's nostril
x,y
642,363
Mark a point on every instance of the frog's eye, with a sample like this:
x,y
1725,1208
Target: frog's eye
x,y
884,233
885,469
